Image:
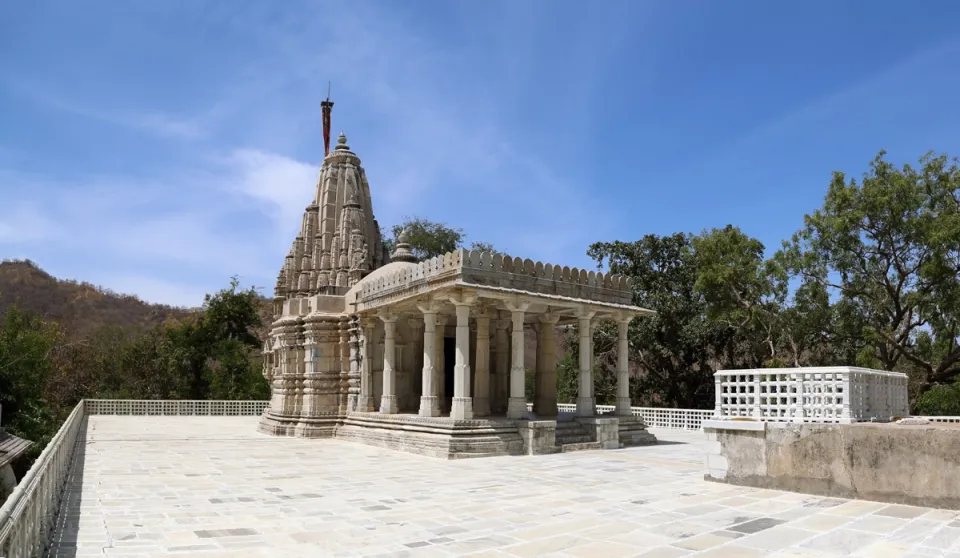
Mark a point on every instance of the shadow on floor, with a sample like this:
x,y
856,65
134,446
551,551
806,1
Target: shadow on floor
x,y
66,527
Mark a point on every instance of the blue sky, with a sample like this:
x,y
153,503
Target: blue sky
x,y
158,148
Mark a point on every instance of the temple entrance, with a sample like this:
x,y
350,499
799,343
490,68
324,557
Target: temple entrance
x,y
449,361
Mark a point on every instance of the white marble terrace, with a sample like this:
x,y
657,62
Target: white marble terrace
x,y
212,486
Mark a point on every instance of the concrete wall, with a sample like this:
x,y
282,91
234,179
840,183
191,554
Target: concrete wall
x,y
918,465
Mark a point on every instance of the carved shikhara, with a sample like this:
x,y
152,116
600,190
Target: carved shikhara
x,y
325,354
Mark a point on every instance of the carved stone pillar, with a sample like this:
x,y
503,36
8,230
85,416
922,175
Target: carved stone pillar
x,y
416,360
388,401
586,404
502,379
355,357
439,364
399,369
481,391
517,404
311,378
429,403
623,368
344,366
546,398
461,407
365,405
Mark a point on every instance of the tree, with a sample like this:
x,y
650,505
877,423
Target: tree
x,y
483,247
889,248
26,341
743,292
429,239
217,353
675,347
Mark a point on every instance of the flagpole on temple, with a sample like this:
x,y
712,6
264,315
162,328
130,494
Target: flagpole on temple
x,y
326,106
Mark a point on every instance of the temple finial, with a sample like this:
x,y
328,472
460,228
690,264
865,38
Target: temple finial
x,y
342,142
402,252
326,106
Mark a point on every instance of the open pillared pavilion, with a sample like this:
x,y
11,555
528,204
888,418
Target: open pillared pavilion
x,y
428,356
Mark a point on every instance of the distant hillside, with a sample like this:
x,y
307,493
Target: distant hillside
x,y
81,308
78,307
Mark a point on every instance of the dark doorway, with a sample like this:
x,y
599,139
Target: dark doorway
x,y
449,360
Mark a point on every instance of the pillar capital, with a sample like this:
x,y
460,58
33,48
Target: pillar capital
x,y
548,318
428,306
584,313
482,310
462,299
388,317
517,305
623,318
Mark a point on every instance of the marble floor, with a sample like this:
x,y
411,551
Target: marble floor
x,y
213,486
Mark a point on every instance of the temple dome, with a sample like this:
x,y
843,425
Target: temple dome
x,y
375,275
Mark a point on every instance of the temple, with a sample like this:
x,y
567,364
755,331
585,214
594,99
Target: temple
x,y
428,357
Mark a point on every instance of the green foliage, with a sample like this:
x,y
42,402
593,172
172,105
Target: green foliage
x,y
889,247
213,354
568,378
675,347
26,342
941,400
483,247
429,239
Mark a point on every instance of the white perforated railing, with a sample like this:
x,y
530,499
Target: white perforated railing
x,y
653,417
832,394
27,517
953,420
184,407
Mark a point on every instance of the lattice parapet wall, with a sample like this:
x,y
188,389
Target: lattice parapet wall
x,y
653,417
835,394
185,407
28,516
455,263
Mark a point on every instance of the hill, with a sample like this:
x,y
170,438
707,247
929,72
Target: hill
x,y
78,307
81,308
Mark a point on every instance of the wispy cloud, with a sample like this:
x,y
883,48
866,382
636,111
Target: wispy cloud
x,y
432,144
151,121
24,224
282,186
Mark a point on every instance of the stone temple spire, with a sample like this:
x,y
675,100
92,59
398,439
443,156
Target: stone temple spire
x,y
339,241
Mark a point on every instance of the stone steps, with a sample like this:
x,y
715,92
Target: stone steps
x,y
580,446
572,433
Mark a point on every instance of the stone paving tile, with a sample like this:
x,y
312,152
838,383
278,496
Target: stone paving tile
x,y
213,486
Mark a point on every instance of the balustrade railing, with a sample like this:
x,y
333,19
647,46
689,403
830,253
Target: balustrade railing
x,y
944,419
27,517
832,394
653,417
174,407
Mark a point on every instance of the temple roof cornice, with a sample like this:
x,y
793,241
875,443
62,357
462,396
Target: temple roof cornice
x,y
500,277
